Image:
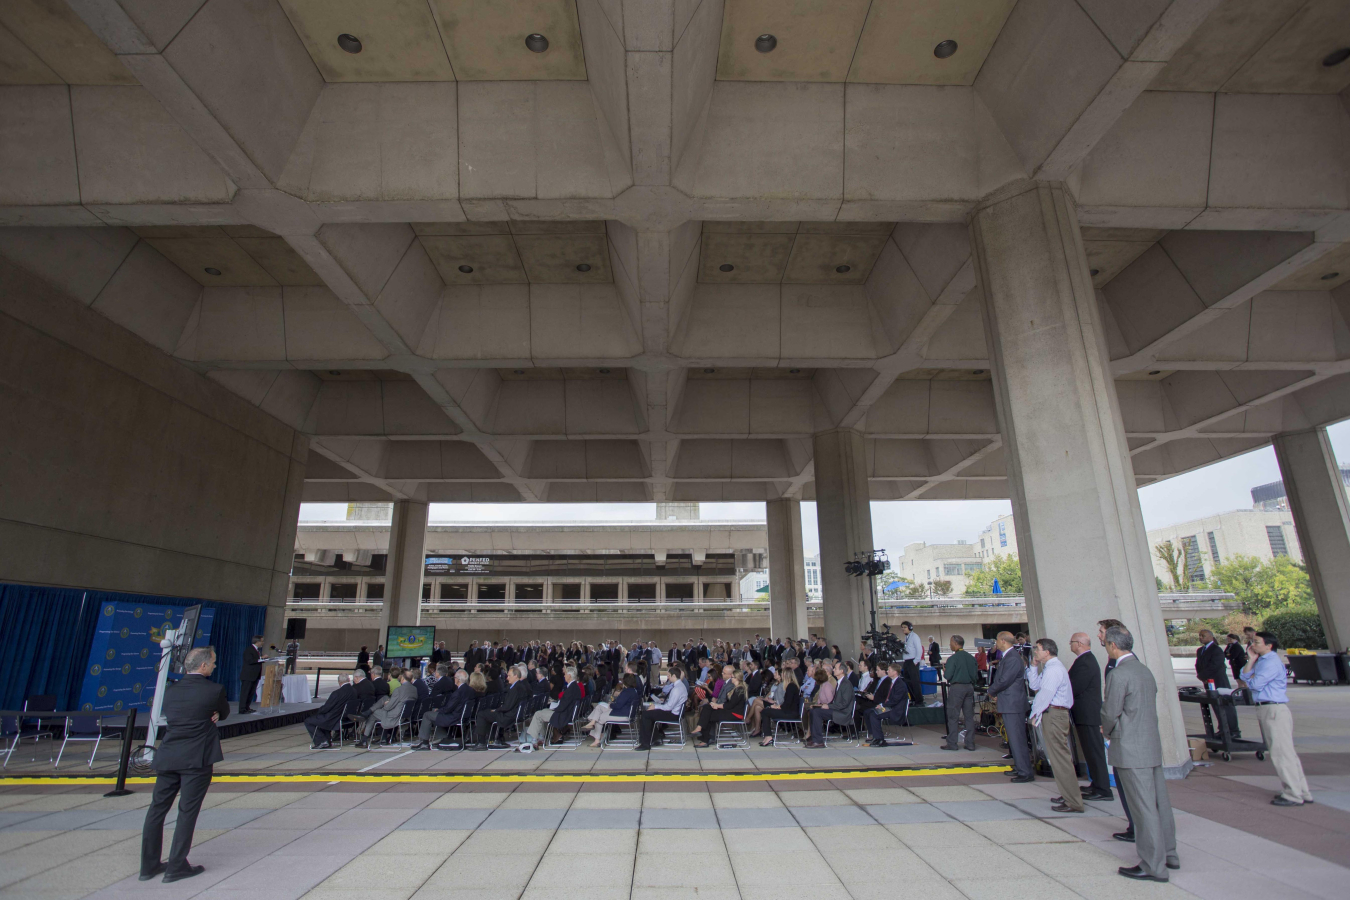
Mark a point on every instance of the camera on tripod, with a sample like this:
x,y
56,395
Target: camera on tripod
x,y
885,644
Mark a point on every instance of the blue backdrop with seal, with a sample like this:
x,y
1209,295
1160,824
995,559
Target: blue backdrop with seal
x,y
120,673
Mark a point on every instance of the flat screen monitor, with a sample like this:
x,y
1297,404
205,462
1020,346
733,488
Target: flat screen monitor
x,y
184,637
409,640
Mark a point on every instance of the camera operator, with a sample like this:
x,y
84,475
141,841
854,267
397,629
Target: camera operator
x,y
913,655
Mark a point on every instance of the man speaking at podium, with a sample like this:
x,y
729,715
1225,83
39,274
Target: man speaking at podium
x,y
192,707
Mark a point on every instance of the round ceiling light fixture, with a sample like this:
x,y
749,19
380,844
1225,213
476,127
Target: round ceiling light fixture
x,y
349,42
584,267
765,43
725,267
604,371
945,49
1331,276
536,43
842,269
1336,57
1156,372
1095,272
708,371
519,371
212,270
467,270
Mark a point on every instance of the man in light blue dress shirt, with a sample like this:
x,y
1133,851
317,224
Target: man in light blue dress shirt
x,y
1264,675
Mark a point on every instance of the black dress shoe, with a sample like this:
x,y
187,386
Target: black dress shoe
x,y
1175,865
499,745
948,748
421,745
189,872
1056,799
1006,756
1284,801
1137,873
1103,796
157,870
449,746
1064,808
642,747
1023,779
1126,836
476,747
361,745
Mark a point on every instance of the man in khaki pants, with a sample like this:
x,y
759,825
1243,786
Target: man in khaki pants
x,y
1050,712
1264,675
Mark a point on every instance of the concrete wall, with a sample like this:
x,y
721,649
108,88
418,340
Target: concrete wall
x,y
125,470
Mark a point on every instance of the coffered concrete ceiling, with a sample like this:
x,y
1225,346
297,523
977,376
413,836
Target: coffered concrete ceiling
x,y
401,261
45,42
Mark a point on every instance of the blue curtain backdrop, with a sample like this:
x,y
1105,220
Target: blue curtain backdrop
x,y
45,635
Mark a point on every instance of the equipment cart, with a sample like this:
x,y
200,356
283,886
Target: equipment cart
x,y
1217,736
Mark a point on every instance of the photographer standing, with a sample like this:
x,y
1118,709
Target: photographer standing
x,y
184,761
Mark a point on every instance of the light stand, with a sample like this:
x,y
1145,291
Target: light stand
x,y
869,563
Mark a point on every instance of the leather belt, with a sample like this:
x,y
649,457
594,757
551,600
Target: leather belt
x,y
1267,703
1065,708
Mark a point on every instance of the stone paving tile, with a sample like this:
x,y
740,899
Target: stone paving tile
x,y
447,819
906,813
625,819
980,810
523,819
756,818
679,818
808,816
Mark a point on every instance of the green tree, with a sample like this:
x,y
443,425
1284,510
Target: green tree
x,y
914,591
1264,587
1006,569
1178,566
942,588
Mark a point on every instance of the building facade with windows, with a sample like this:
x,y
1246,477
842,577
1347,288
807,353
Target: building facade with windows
x,y
1208,542
999,538
924,564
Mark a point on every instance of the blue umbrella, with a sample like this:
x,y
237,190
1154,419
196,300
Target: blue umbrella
x,y
998,589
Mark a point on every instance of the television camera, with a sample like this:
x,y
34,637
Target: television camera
x,y
869,564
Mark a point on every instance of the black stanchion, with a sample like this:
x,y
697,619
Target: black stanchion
x,y
121,789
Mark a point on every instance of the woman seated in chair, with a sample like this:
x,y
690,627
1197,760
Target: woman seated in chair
x,y
774,684
787,708
618,710
730,708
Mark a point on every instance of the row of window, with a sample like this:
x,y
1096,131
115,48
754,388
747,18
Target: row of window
x,y
459,592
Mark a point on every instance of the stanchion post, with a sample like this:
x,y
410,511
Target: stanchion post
x,y
121,789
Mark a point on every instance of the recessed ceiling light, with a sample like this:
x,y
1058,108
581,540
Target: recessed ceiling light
x,y
765,42
466,269
794,371
1156,372
1336,57
349,42
1096,272
536,43
708,371
334,372
979,371
584,267
211,270
842,269
945,50
604,371
519,371
725,267
1331,276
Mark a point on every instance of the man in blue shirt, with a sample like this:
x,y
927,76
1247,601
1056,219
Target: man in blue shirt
x,y
1264,675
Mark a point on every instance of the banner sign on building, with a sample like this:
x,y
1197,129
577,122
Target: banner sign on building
x,y
458,565
120,673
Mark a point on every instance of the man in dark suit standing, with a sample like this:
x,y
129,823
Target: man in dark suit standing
x,y
1085,679
1128,834
1009,689
1212,665
183,762
250,674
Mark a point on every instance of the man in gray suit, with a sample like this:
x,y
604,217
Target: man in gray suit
x,y
1009,689
1130,723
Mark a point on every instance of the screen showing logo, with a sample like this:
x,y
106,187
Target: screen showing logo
x,y
409,640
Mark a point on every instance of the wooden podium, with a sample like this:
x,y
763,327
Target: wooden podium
x,y
270,696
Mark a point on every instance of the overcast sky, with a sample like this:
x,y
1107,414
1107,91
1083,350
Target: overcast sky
x,y
1217,488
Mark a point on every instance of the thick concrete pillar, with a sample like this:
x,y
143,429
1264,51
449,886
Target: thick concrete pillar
x,y
1080,533
274,630
1312,482
405,567
787,569
844,519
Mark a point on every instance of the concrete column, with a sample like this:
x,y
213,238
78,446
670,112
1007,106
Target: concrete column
x,y
844,519
274,627
1312,482
1080,533
406,565
787,569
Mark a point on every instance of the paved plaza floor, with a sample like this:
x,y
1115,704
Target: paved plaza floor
x,y
787,820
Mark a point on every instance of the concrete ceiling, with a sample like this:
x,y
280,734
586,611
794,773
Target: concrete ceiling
x,y
340,194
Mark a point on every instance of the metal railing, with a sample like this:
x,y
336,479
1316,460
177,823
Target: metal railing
x,y
1199,600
